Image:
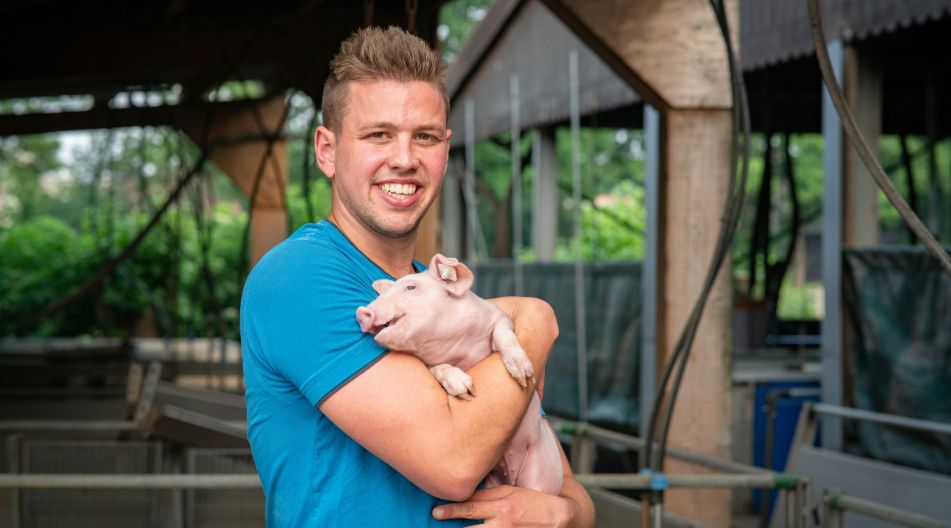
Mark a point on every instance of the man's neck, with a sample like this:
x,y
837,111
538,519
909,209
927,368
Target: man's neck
x,y
392,255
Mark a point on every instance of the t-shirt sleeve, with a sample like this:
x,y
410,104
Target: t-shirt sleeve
x,y
300,311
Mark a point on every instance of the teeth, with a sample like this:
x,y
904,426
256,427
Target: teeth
x,y
399,189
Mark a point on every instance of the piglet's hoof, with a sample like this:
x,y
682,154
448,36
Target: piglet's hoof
x,y
519,366
456,382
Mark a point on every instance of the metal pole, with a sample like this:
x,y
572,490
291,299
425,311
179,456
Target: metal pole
x,y
633,442
582,449
475,246
832,256
766,497
882,418
657,515
68,425
650,268
640,481
838,502
516,152
14,457
129,481
580,315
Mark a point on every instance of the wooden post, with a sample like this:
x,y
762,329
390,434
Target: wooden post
x,y
427,238
697,157
672,53
863,91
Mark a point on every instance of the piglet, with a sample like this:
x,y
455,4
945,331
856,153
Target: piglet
x,y
435,315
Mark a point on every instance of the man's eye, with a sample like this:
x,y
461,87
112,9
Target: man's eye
x,y
427,137
411,287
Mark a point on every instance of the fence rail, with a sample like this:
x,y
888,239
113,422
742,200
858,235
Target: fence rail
x,y
128,481
882,418
838,503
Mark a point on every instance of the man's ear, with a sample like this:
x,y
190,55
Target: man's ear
x,y
325,147
455,275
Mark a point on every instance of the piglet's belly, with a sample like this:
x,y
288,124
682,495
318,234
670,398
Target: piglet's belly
x,y
532,459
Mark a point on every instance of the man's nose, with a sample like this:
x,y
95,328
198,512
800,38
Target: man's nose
x,y
403,155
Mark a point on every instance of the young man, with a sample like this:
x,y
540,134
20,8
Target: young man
x,y
343,432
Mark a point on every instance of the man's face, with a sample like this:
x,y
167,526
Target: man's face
x,y
389,157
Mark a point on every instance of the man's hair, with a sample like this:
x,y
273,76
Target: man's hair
x,y
376,54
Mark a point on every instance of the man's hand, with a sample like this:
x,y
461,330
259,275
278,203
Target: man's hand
x,y
512,507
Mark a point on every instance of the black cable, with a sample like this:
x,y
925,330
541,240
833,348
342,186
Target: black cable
x,y
861,147
729,222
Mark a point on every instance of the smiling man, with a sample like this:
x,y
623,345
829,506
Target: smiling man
x,y
343,432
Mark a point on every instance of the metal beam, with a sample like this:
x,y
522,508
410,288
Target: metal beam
x,y
128,481
832,256
881,418
650,273
166,115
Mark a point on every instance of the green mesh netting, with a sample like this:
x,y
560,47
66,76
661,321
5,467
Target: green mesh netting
x,y
898,302
613,328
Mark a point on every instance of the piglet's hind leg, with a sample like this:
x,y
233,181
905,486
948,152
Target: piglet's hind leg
x,y
513,356
456,382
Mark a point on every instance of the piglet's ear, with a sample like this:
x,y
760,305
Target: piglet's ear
x,y
456,276
381,285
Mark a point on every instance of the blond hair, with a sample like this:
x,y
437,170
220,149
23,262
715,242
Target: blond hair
x,y
374,54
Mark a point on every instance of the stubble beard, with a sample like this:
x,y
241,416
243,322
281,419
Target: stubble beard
x,y
373,221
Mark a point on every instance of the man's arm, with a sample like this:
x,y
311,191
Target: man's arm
x,y
511,506
446,446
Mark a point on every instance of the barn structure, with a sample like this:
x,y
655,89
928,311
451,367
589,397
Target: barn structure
x,y
656,65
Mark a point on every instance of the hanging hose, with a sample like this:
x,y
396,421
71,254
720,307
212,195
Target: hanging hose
x,y
729,223
861,146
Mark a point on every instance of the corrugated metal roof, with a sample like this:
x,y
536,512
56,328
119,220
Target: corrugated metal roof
x,y
774,31
527,40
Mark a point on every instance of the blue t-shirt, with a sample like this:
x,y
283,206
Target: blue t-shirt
x,y
300,342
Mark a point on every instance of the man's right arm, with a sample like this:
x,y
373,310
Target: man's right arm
x,y
446,446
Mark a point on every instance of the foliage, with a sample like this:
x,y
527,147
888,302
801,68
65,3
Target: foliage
x,y
28,167
457,18
45,258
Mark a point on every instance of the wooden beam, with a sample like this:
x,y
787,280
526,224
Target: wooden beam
x,y
427,238
250,164
96,118
670,51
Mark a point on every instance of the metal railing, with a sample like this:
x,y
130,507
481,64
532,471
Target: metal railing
x,y
794,488
882,418
147,481
836,504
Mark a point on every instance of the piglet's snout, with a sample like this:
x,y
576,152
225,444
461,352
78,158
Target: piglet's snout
x,y
367,318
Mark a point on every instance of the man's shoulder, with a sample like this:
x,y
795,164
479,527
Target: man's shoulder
x,y
316,263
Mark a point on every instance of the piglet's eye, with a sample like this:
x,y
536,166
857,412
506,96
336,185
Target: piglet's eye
x,y
411,287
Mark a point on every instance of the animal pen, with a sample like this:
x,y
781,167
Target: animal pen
x,y
151,432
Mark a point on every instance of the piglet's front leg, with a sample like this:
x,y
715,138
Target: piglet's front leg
x,y
456,382
513,355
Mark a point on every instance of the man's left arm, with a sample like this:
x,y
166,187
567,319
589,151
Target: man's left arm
x,y
513,506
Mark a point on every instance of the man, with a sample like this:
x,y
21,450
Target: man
x,y
343,432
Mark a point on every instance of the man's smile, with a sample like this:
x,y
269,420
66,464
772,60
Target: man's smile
x,y
399,194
